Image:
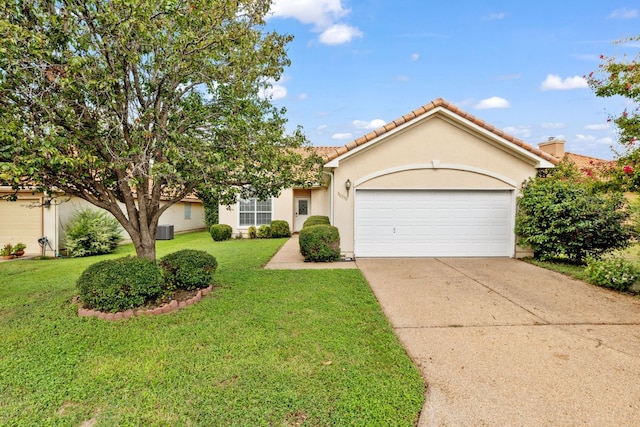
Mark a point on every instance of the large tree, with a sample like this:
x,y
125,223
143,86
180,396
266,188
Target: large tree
x,y
133,104
621,77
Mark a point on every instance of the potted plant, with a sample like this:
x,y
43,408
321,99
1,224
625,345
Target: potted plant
x,y
5,252
18,249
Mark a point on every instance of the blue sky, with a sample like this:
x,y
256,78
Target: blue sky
x,y
518,65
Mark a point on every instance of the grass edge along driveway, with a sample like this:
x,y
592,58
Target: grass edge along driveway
x,y
280,348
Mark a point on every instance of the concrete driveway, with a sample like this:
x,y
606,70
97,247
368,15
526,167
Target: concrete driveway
x,y
502,342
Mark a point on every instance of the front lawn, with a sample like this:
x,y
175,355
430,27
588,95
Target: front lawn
x,y
266,348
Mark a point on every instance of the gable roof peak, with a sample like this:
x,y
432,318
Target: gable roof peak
x,y
436,103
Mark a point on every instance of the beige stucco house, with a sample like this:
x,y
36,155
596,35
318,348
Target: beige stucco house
x,y
435,182
34,215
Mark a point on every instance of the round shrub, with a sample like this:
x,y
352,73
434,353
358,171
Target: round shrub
x,y
119,284
264,232
316,220
611,272
320,243
252,232
188,269
280,228
92,232
220,232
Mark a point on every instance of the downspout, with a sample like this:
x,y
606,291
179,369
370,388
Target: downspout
x,y
330,174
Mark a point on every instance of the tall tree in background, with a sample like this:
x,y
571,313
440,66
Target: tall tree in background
x,y
621,77
135,103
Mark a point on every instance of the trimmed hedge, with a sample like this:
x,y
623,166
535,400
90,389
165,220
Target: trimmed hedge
x,y
220,232
320,243
188,269
264,232
120,284
280,228
252,232
316,220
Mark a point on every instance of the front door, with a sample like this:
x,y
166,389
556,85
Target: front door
x,y
303,209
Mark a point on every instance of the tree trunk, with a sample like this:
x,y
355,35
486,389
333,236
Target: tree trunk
x,y
145,246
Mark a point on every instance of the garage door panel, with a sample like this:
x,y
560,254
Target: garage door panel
x,y
433,223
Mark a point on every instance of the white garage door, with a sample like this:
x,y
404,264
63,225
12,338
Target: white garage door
x,y
21,222
433,223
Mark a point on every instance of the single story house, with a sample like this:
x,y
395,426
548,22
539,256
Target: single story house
x,y
34,215
437,182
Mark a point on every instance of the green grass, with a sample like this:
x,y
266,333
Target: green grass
x,y
266,348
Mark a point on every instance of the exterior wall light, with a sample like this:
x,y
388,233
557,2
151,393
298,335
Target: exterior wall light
x,y
347,184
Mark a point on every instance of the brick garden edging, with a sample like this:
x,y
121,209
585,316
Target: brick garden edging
x,y
163,309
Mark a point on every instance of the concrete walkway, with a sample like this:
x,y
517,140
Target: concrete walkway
x,y
289,258
504,343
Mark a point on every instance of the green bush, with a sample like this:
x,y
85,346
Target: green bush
x,y
559,216
188,269
316,220
280,228
611,272
264,232
320,243
220,232
92,232
120,284
252,232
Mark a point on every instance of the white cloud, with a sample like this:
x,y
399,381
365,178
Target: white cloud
x,y
599,126
275,91
606,140
556,125
494,16
585,138
624,13
555,82
342,136
403,78
321,13
339,34
523,131
324,15
373,124
321,127
303,96
514,76
415,57
493,102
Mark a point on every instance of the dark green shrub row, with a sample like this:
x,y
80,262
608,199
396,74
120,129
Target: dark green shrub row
x,y
316,220
220,232
188,269
120,284
280,228
129,282
320,243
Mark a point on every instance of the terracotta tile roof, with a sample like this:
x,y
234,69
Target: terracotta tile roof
x,y
330,153
586,162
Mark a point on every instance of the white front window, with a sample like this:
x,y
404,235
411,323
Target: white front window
x,y
255,212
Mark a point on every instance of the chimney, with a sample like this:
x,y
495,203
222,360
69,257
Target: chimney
x,y
554,147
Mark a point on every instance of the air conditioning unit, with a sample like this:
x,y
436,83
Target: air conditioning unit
x,y
164,232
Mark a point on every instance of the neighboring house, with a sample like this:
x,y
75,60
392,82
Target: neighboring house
x,y
437,182
34,216
590,166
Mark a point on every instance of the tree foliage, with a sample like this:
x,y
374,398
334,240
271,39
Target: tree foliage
x,y
132,104
621,77
559,216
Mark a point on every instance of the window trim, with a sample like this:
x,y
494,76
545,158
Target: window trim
x,y
255,212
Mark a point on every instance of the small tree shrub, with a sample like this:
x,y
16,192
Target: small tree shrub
x,y
280,228
264,232
220,232
92,232
316,220
252,232
120,284
611,272
559,216
188,269
320,243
